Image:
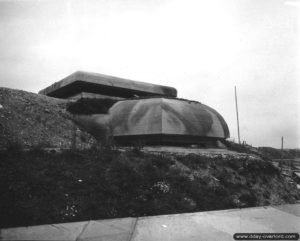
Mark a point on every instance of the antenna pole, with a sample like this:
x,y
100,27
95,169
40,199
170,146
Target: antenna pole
x,y
281,147
237,115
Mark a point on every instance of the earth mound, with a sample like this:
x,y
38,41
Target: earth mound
x,y
32,120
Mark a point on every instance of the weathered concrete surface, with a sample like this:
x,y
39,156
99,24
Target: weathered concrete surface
x,y
289,208
214,225
163,116
158,121
63,231
96,124
81,81
190,150
93,96
109,230
219,225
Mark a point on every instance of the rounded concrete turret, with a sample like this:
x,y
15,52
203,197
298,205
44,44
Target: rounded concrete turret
x,y
166,120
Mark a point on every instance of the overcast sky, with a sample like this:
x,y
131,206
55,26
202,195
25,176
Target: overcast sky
x,y
202,48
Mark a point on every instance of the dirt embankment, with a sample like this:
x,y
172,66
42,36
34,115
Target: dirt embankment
x,y
38,187
273,153
32,120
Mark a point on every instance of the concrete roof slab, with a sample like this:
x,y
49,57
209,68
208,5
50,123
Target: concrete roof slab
x,y
82,81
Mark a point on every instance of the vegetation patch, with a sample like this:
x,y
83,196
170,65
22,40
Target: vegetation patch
x,y
273,153
40,187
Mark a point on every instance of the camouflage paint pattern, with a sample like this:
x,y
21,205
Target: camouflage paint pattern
x,y
166,116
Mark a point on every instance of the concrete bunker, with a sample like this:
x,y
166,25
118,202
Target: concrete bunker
x,y
93,85
143,113
167,121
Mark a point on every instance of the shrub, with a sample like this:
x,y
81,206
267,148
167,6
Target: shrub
x,y
14,147
39,187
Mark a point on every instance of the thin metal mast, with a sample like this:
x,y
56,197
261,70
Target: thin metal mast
x,y
237,115
281,147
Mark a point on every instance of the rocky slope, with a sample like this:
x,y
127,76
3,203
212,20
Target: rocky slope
x,y
32,120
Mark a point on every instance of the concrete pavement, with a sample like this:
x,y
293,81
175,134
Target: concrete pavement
x,y
213,225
